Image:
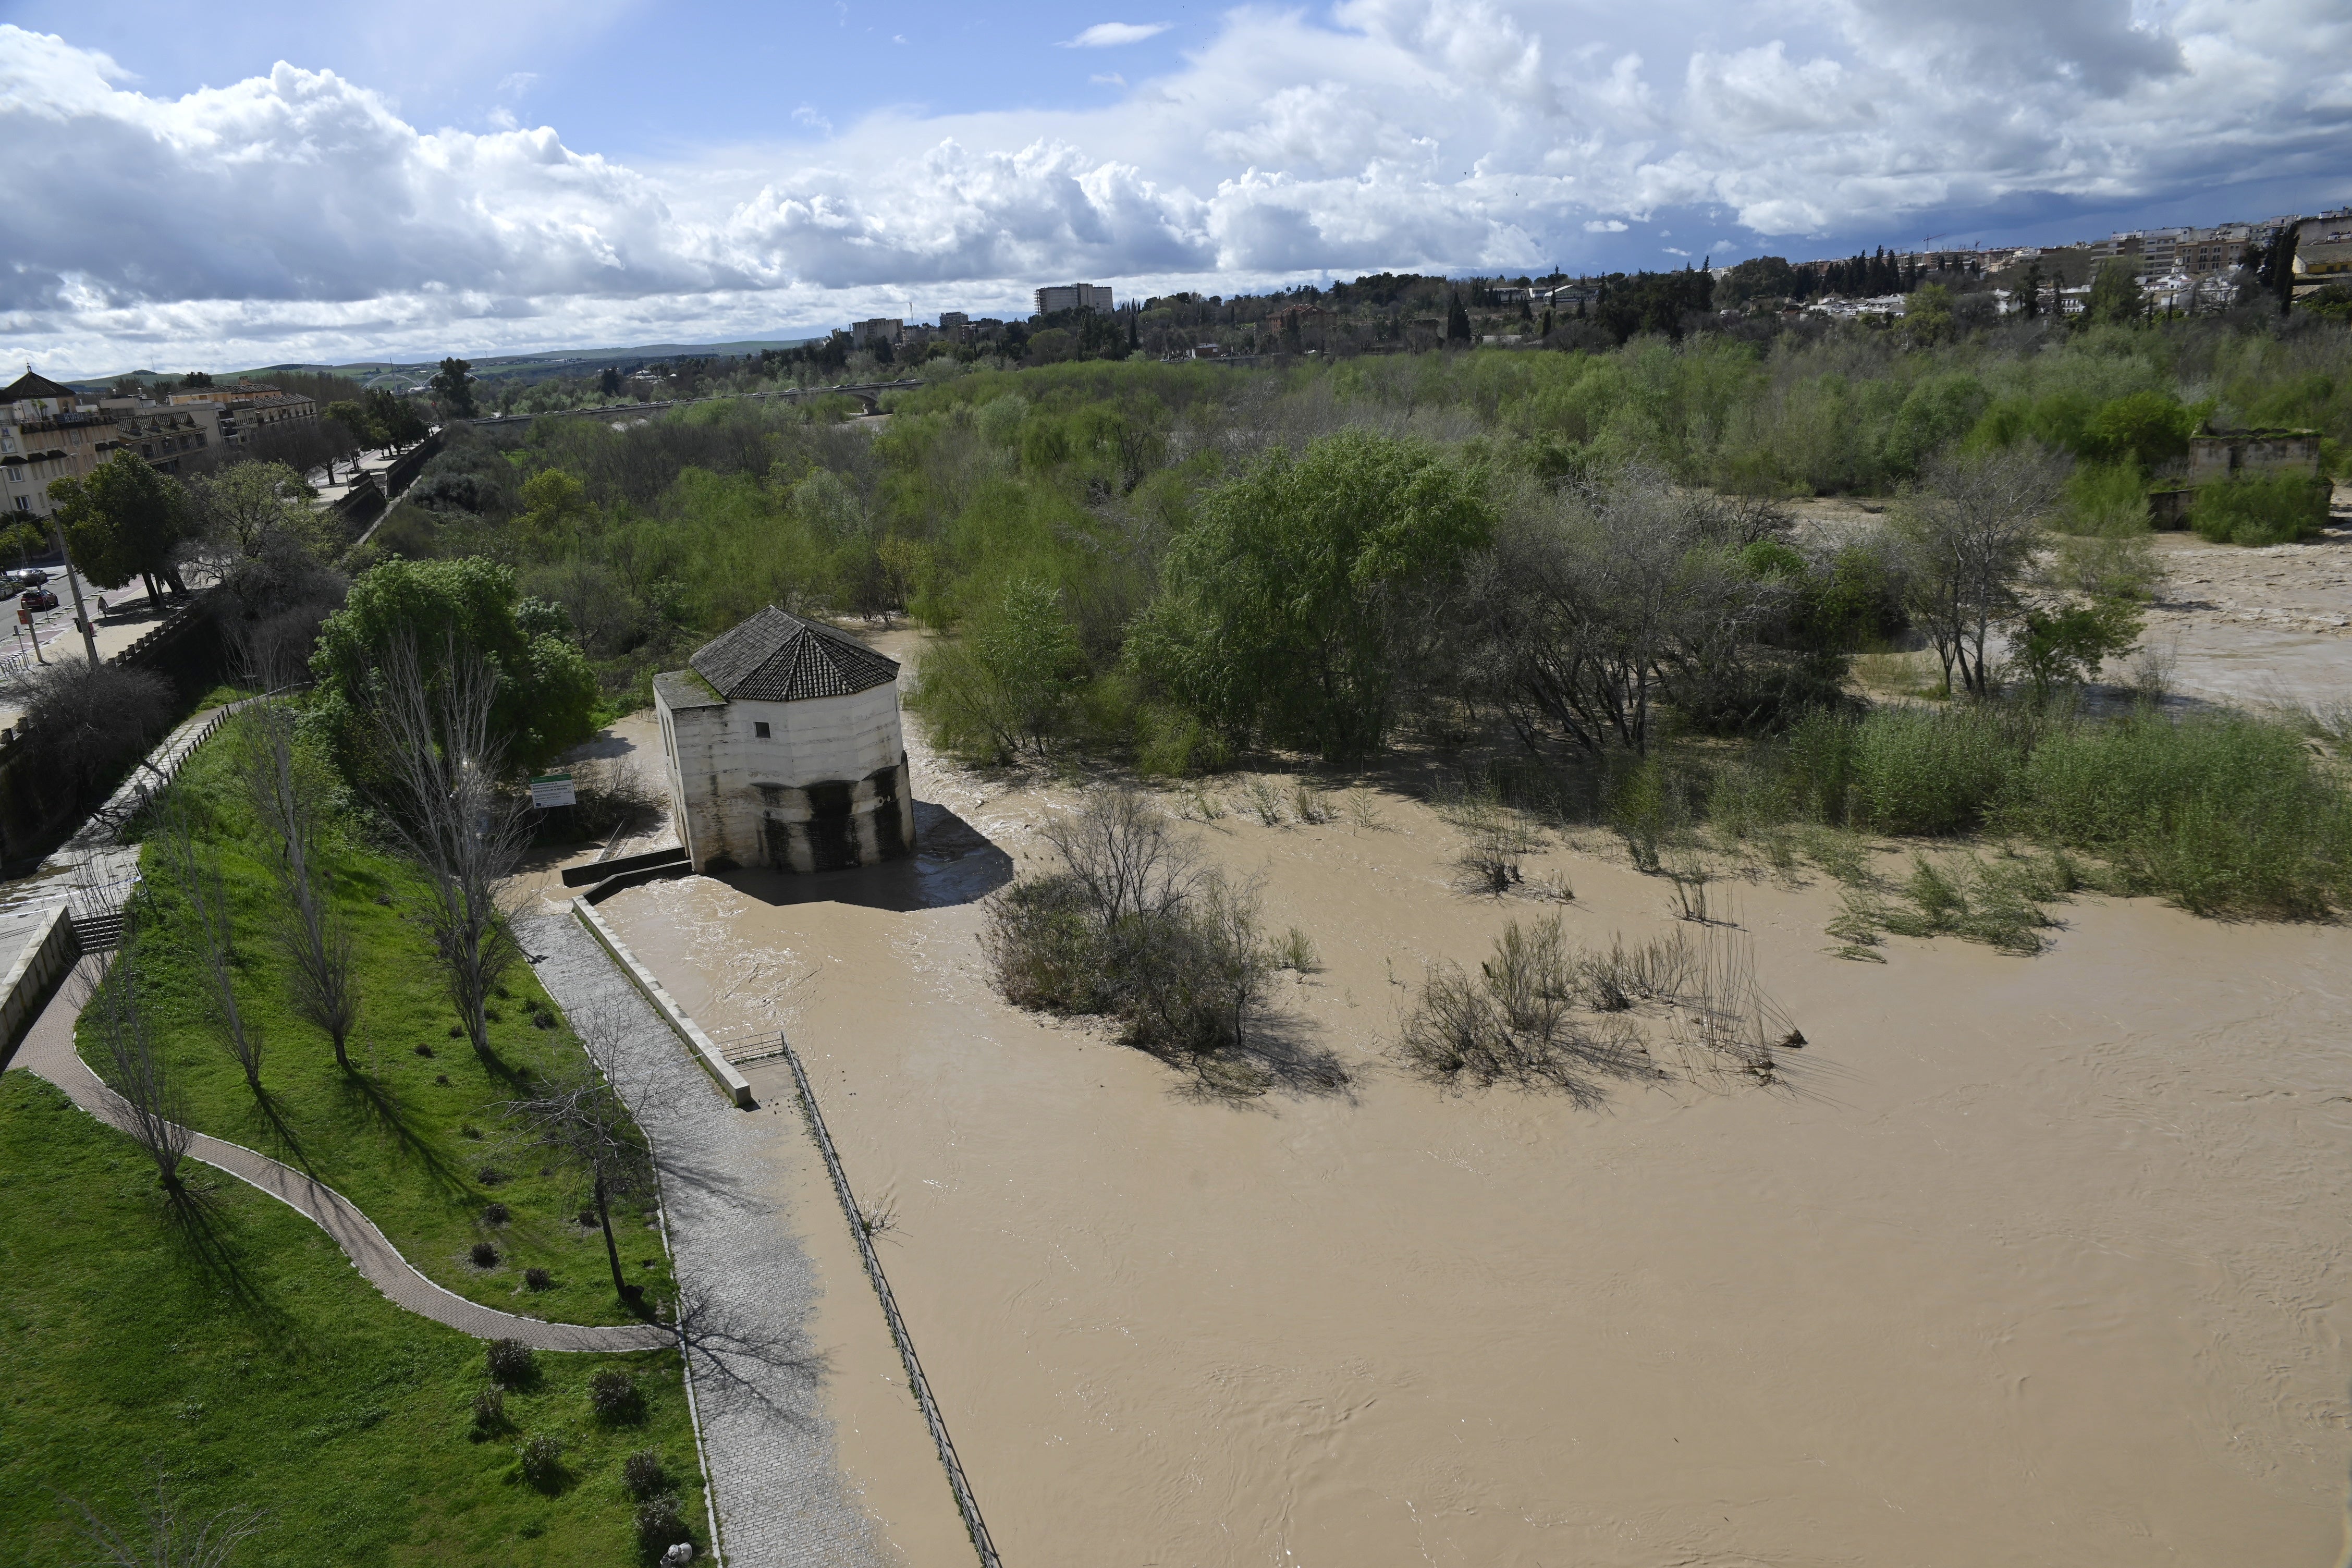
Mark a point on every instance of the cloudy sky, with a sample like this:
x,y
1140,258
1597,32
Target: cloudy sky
x,y
262,182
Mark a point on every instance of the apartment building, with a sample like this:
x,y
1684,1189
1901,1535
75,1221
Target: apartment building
x,y
1073,297
247,408
879,330
167,434
50,432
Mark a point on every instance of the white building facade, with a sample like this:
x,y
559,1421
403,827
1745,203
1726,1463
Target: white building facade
x,y
782,749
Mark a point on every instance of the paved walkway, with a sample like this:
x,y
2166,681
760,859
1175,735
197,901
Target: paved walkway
x,y
780,1495
48,1052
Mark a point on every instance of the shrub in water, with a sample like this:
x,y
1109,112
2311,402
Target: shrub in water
x,y
613,1394
2264,508
641,1472
510,1362
2225,815
485,1255
1936,771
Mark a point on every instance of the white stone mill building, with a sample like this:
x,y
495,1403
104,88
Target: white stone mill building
x,y
783,750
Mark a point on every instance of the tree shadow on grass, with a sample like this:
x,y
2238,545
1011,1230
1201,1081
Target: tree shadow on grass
x,y
383,1106
269,1115
203,1235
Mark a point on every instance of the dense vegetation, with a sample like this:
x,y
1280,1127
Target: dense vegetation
x,y
1577,559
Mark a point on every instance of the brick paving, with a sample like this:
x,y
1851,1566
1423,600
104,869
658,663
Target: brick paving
x,y
48,1052
780,1495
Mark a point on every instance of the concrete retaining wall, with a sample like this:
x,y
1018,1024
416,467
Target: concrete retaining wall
x,y
705,1050
48,954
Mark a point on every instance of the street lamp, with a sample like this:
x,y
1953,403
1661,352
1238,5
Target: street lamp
x,y
81,619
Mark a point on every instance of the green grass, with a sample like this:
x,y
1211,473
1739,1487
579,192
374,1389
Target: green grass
x,y
394,1140
233,1344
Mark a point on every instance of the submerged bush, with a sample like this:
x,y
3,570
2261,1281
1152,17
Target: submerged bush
x,y
2265,508
1905,769
2226,815
1132,928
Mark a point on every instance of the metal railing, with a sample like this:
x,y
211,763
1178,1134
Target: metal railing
x,y
966,1503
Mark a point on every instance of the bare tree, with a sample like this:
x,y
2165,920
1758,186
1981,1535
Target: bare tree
x,y
167,1535
1967,534
443,762
582,1114
110,999
209,926
93,720
316,939
1593,604
1119,848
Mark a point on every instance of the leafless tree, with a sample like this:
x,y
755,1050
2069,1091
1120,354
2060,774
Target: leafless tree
x,y
443,763
1969,532
1595,602
92,720
1120,850
315,938
110,999
167,1535
584,1115
208,924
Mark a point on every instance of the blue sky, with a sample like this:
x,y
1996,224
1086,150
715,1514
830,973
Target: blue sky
x,y
278,182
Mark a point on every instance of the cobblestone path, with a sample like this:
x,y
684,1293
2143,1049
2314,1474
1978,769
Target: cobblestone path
x,y
748,1287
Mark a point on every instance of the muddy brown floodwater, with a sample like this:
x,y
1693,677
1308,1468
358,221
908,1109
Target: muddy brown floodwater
x,y
2023,1260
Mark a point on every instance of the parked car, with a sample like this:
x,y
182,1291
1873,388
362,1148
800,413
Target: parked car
x,y
28,577
38,599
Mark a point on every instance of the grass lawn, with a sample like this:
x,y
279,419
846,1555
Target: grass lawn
x,y
234,1344
416,1138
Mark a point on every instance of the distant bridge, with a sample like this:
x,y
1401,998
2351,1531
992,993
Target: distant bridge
x,y
868,392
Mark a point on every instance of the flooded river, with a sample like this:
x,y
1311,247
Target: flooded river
x,y
2023,1260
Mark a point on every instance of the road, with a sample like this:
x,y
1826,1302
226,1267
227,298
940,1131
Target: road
x,y
128,615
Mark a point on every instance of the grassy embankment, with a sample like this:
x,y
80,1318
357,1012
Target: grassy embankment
x,y
415,1138
231,1342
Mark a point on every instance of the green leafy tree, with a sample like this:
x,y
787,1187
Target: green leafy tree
x,y
546,693
2115,295
1457,320
352,416
244,505
453,385
395,419
1294,606
125,521
2146,427
2065,646
1007,687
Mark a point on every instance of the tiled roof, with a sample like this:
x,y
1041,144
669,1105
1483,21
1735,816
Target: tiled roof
x,y
27,386
777,658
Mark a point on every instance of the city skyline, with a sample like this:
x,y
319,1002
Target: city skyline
x,y
544,179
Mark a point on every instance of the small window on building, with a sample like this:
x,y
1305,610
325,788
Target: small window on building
x,y
759,727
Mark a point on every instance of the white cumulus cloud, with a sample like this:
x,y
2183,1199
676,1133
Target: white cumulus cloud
x,y
298,214
1111,35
